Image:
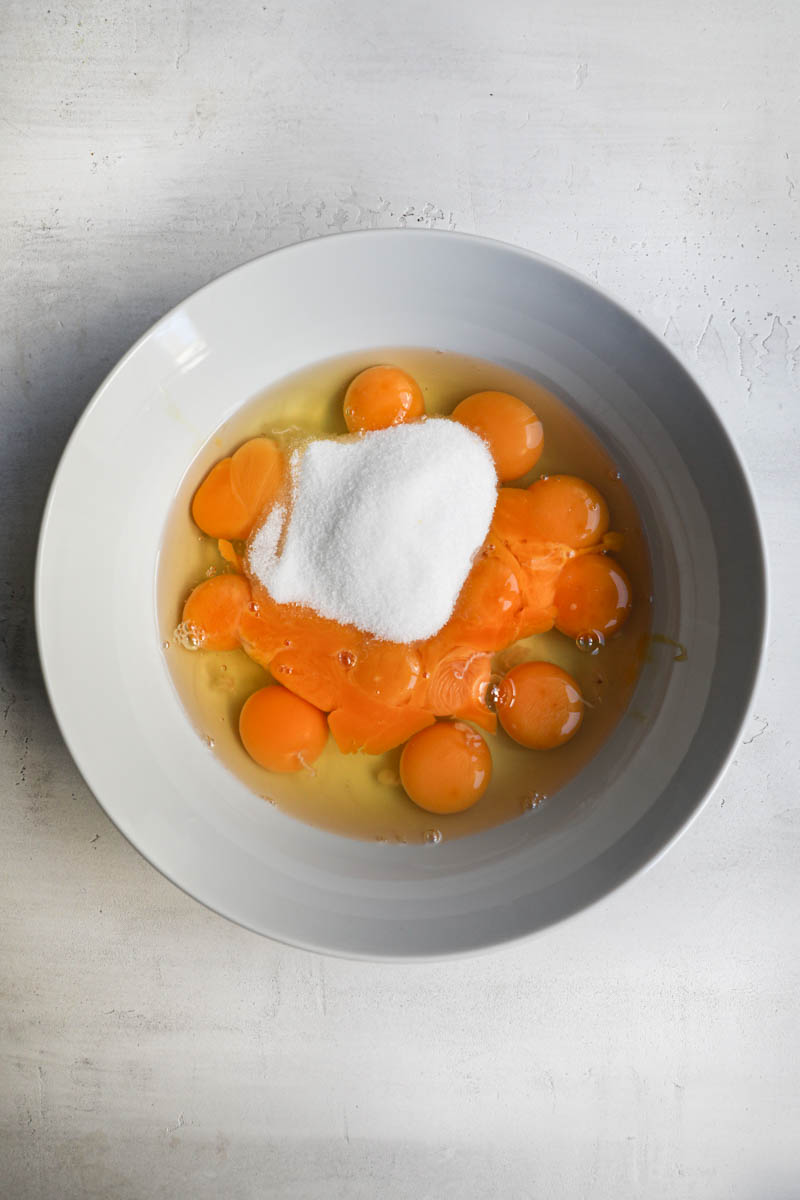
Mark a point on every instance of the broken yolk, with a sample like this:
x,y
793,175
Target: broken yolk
x,y
380,397
446,768
487,609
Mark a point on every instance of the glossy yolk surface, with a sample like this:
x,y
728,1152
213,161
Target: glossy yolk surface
x,y
567,510
592,597
380,397
539,705
280,731
511,429
386,670
446,768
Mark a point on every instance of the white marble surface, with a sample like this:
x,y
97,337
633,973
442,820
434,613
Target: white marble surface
x,y
150,1049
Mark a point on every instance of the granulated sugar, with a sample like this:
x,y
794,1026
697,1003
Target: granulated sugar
x,y
383,529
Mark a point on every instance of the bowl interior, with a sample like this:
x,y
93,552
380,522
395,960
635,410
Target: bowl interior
x,y
96,594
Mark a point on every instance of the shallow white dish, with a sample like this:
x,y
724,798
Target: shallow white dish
x,y
96,577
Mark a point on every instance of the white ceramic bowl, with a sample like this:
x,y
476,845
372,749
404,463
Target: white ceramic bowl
x,y
95,594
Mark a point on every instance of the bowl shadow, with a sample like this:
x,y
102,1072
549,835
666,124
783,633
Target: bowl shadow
x,y
45,394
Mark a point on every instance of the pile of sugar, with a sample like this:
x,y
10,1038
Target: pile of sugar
x,y
383,529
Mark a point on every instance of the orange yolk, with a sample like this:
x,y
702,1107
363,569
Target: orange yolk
x,y
539,705
513,520
388,671
567,510
309,672
213,612
592,597
363,723
485,615
280,731
446,768
228,552
511,429
457,684
380,397
236,491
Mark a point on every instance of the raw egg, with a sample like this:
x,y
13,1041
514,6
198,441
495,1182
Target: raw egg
x,y
281,731
386,670
380,397
592,597
568,510
511,429
236,490
446,768
539,705
213,612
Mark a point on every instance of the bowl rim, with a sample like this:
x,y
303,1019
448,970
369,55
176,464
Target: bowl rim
x,y
647,857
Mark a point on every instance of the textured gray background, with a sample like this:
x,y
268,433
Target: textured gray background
x,y
148,1048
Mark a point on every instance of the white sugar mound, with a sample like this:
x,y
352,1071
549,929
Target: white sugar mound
x,y
383,529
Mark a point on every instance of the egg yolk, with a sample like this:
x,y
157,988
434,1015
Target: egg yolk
x,y
228,552
457,685
212,614
511,429
592,597
513,520
280,731
485,615
389,671
236,491
567,510
446,768
539,705
380,397
374,727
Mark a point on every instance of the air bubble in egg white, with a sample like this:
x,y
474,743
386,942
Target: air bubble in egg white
x,y
589,643
493,692
188,636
